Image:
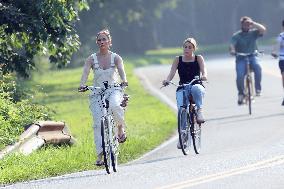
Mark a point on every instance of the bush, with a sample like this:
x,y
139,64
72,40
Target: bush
x,y
16,113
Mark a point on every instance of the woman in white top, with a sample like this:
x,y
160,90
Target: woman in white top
x,y
278,51
107,67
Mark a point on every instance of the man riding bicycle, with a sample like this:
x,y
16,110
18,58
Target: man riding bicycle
x,y
244,41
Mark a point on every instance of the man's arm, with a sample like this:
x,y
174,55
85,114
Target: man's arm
x,y
261,29
232,49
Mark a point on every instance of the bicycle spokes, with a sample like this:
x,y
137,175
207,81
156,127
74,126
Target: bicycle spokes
x,y
106,144
183,129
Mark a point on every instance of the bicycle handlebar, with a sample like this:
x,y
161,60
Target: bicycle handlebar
x,y
196,78
248,54
92,88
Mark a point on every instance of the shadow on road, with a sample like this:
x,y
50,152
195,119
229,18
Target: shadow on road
x,y
245,117
153,161
226,117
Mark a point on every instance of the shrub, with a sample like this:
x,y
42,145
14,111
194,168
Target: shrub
x,y
16,113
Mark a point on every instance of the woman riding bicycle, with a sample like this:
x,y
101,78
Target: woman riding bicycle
x,y
189,65
107,67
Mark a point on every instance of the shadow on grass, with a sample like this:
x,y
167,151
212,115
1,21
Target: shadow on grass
x,y
57,93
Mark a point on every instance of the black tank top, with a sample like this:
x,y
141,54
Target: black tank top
x,y
188,70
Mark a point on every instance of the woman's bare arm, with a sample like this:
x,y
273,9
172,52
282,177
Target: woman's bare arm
x,y
202,67
120,67
172,72
86,70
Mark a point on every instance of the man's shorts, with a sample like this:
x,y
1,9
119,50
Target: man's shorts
x,y
281,65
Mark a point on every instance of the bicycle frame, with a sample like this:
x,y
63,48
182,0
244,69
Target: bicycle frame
x,y
108,130
187,115
249,84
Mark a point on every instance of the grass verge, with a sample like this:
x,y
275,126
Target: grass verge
x,y
149,123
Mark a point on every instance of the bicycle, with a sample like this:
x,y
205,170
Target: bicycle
x,y
188,128
110,142
249,92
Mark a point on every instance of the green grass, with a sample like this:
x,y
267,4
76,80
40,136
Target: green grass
x,y
149,123
175,51
167,55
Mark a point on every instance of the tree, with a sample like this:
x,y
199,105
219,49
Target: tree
x,y
28,28
132,23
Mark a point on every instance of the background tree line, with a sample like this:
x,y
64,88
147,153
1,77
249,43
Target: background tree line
x,y
140,25
51,28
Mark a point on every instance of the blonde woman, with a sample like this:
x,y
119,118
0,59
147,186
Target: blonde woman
x,y
107,67
188,66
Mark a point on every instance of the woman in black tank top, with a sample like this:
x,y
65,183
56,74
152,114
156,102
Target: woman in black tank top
x,y
189,65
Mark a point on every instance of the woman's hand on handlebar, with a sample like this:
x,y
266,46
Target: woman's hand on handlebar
x,y
165,83
124,84
203,78
82,88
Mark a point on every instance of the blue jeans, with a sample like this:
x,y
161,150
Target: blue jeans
x,y
197,91
241,71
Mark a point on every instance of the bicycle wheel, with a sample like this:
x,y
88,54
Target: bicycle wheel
x,y
195,129
114,147
183,131
106,144
249,95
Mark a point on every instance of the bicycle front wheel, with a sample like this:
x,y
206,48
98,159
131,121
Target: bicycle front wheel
x,y
106,144
195,130
249,93
183,131
114,146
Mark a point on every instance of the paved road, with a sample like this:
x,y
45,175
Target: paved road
x,y
238,150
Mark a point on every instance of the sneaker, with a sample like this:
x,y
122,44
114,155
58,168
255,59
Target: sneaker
x,y
240,99
199,116
257,92
282,103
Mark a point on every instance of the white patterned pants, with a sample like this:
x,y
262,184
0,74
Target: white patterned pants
x,y
115,98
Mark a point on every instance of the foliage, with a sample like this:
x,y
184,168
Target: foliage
x,y
10,88
28,28
14,116
132,23
138,25
16,111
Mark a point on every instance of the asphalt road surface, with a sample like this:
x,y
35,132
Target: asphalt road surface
x,y
238,150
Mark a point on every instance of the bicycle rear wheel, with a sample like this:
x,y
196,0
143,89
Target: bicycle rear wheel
x,y
195,130
106,144
183,131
